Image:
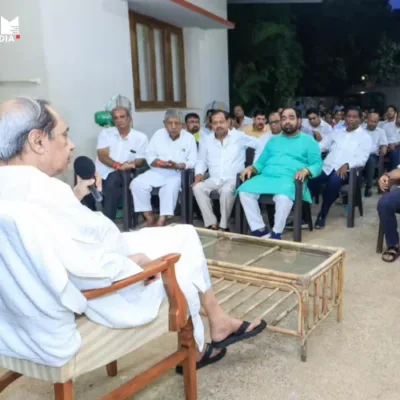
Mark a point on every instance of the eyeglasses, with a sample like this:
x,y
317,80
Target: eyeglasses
x,y
274,122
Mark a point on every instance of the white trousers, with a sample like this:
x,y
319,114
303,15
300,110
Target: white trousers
x,y
142,186
226,192
251,207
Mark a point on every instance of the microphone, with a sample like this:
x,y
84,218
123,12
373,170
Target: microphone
x,y
85,169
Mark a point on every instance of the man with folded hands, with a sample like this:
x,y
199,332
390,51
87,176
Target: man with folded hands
x,y
34,148
170,151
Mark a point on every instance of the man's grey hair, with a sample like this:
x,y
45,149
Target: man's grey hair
x,y
172,113
22,116
126,109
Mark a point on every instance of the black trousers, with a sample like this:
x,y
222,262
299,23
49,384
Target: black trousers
x,y
112,194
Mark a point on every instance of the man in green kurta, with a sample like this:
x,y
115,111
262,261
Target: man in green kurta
x,y
289,156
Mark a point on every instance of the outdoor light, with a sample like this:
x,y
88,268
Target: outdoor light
x,y
363,78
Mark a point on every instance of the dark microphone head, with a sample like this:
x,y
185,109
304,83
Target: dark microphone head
x,y
84,167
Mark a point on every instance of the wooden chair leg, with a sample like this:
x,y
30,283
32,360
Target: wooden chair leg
x,y
186,340
112,369
8,378
64,391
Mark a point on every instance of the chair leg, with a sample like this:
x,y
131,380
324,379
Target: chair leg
x,y
64,391
8,378
112,369
308,216
379,243
186,340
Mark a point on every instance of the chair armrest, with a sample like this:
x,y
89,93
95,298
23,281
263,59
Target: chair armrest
x,y
178,311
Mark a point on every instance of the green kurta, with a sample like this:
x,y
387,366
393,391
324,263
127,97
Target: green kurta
x,y
282,157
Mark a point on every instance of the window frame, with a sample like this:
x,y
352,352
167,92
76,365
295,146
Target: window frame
x,y
167,30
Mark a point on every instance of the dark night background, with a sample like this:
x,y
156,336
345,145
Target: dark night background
x,y
279,51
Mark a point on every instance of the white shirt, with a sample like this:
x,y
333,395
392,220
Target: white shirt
x,y
122,150
378,139
262,142
181,150
391,131
324,129
224,160
351,148
246,122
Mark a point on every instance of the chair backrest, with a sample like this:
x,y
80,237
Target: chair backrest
x,y
250,153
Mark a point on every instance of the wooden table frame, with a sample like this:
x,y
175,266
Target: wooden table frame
x,y
322,286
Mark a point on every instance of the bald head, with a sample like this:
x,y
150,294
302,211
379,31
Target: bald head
x,y
32,133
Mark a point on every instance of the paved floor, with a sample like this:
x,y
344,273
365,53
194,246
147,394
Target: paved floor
x,y
356,359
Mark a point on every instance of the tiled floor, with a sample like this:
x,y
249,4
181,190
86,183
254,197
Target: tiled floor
x,y
356,359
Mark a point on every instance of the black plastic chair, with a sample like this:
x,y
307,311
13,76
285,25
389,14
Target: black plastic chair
x,y
131,220
302,211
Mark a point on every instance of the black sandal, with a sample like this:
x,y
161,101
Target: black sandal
x,y
205,360
240,334
392,252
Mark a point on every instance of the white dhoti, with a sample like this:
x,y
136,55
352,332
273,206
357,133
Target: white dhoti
x,y
226,190
169,184
251,207
139,304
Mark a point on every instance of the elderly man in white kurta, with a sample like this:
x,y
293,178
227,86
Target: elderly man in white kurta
x,y
223,155
37,317
119,148
170,151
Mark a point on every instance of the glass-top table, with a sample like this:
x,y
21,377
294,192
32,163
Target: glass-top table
x,y
293,285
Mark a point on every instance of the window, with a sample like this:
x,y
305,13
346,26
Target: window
x,y
158,63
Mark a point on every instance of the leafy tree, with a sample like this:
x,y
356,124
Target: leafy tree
x,y
266,59
385,68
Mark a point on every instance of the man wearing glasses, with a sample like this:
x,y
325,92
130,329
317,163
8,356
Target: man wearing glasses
x,y
171,150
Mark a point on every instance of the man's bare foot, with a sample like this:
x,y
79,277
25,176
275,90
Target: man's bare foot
x,y
149,218
229,325
162,221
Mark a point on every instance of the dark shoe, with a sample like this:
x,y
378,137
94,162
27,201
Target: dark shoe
x,y
276,236
205,360
240,335
368,192
261,233
320,222
290,225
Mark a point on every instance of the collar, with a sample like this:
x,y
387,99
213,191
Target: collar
x,y
117,134
227,136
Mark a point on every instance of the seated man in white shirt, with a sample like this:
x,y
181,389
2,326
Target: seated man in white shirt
x,y
274,121
120,148
379,147
319,128
171,150
349,148
389,126
223,154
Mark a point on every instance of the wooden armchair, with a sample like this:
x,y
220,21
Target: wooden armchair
x,y
102,346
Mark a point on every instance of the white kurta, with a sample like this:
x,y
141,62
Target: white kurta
x,y
94,253
161,146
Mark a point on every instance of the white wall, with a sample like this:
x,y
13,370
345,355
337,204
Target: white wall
x,y
24,58
81,51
